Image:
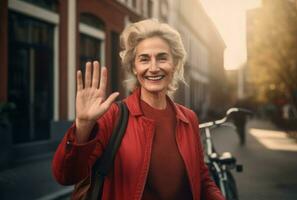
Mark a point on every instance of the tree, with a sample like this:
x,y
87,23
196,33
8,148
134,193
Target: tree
x,y
272,49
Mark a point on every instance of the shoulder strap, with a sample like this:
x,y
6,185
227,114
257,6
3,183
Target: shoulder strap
x,y
104,164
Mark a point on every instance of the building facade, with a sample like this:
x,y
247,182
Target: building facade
x,y
43,43
204,71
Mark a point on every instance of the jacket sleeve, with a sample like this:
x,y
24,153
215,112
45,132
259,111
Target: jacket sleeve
x,y
209,189
72,161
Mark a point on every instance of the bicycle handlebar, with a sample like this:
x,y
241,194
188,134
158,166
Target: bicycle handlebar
x,y
224,119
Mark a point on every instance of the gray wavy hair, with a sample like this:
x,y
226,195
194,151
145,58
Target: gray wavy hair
x,y
134,33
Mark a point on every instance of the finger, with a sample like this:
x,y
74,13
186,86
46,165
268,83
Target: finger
x,y
103,80
79,81
106,104
95,79
88,75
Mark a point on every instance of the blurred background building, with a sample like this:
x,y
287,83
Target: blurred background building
x,y
44,42
204,71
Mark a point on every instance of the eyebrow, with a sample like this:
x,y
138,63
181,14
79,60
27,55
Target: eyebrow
x,y
162,54
158,55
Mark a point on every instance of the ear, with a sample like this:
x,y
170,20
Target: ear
x,y
134,71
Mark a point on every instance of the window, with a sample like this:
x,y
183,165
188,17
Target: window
x,y
92,39
89,49
91,21
30,76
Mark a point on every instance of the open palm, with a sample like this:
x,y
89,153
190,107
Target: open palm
x,y
91,102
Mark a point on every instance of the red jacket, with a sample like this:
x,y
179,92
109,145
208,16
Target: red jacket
x,y
72,162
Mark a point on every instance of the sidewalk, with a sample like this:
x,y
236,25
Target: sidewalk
x,y
31,180
269,167
261,124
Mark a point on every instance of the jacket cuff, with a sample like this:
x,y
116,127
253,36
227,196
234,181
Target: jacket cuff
x,y
80,151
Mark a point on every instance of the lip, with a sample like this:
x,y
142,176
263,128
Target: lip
x,y
154,78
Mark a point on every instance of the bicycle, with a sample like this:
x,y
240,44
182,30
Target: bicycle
x,y
220,165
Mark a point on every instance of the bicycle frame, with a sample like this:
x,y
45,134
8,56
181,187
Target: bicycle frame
x,y
218,168
220,165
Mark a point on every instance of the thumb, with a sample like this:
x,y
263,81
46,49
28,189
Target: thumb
x,y
106,104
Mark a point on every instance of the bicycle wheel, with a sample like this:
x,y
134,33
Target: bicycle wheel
x,y
230,186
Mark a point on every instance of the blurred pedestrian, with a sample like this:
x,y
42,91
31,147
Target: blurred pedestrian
x,y
240,120
160,156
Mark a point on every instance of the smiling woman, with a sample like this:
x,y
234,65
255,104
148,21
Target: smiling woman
x,y
153,68
136,33
160,156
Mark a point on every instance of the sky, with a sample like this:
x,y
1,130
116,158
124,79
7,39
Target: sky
x,y
230,18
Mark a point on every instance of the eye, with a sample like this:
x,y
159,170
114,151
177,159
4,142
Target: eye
x,y
143,59
163,58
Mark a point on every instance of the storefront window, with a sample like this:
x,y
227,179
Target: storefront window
x,y
30,76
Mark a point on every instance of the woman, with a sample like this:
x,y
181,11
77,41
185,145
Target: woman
x,y
160,156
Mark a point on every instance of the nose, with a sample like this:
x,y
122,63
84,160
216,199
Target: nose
x,y
154,67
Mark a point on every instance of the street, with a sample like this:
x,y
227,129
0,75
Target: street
x,y
268,174
32,180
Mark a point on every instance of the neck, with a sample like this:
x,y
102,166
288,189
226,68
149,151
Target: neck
x,y
156,100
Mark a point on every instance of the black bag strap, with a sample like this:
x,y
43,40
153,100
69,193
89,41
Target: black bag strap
x,y
104,164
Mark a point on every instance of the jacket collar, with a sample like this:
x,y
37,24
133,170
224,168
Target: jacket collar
x,y
133,104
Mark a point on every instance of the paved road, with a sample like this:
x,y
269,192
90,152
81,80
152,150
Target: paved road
x,y
268,174
30,181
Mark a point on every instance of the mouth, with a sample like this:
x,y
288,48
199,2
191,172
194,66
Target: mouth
x,y
154,78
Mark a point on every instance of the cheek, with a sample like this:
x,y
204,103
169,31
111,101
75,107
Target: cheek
x,y
139,68
171,72
139,77
169,69
170,77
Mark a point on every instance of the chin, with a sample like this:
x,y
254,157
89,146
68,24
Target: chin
x,y
155,89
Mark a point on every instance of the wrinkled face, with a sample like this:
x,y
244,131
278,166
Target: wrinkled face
x,y
153,65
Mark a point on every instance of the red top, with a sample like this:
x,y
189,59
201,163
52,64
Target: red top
x,y
167,177
72,162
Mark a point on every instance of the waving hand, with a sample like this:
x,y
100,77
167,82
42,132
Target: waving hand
x,y
91,101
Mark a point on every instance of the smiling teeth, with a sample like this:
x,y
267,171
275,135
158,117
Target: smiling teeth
x,y
154,78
